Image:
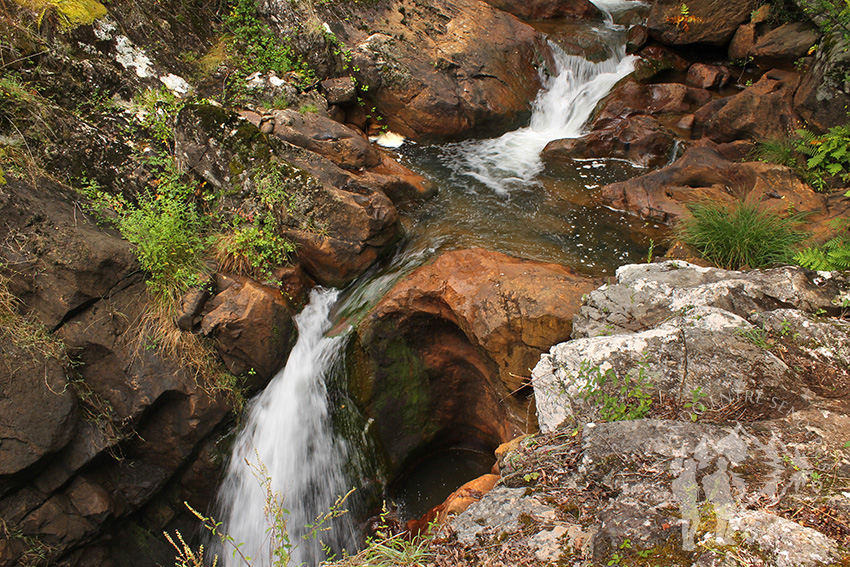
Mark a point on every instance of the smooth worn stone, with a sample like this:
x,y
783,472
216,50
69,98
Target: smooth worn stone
x,y
710,22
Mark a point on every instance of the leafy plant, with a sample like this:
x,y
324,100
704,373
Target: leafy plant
x,y
252,251
155,111
740,235
831,255
755,335
615,398
695,405
828,155
255,47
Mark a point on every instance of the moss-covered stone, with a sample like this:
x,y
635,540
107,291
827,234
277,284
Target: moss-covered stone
x,y
74,13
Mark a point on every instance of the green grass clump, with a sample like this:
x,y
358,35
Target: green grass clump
x,y
740,235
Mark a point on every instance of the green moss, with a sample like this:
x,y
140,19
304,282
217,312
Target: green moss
x,y
73,13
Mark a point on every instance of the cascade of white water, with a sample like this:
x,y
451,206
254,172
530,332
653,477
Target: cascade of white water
x,y
287,447
560,111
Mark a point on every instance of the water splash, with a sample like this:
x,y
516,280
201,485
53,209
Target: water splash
x,y
287,446
561,110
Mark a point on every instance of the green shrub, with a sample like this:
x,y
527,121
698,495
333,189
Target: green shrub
x,y
616,398
168,235
255,47
828,155
252,251
740,235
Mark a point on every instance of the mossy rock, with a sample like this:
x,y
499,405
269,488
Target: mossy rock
x,y
73,13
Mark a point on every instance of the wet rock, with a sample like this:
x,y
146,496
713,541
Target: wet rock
x,y
783,45
632,98
460,333
636,38
546,9
656,58
447,69
702,173
253,329
639,139
711,22
742,42
763,111
340,90
706,76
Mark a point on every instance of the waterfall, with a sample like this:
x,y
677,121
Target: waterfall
x,y
287,445
561,110
287,448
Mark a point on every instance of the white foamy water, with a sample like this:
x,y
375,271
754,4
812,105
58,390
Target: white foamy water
x,y
560,111
287,441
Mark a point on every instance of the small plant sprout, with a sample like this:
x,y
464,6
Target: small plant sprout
x,y
695,405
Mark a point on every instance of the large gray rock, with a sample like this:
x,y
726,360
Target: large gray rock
x,y
685,335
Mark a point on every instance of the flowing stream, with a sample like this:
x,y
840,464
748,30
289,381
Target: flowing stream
x,y
494,193
287,450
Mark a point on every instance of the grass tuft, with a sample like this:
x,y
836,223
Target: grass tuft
x,y
740,235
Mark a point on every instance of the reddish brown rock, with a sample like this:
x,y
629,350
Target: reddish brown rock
x,y
711,22
639,139
761,112
353,230
705,76
252,327
783,45
703,174
340,221
656,58
546,9
321,135
445,349
632,98
636,38
339,90
742,42
458,501
458,66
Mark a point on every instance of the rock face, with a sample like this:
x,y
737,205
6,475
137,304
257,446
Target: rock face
x,y
449,68
783,45
444,350
340,225
252,326
545,9
702,173
671,492
763,111
681,331
640,139
711,22
821,99
93,441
